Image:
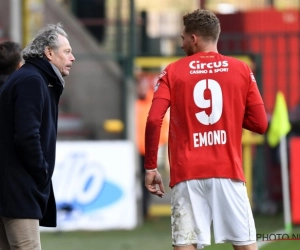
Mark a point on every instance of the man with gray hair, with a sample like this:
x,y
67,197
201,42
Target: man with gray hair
x,y
28,129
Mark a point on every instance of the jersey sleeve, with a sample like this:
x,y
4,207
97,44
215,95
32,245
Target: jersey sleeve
x,y
157,112
162,88
253,95
255,118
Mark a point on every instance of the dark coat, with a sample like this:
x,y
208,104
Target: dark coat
x,y
2,79
28,129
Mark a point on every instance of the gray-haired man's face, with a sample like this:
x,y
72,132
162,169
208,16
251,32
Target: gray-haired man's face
x,y
62,57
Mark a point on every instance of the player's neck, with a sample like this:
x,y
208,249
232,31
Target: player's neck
x,y
207,47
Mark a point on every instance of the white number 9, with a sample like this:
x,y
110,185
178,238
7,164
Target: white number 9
x,y
212,103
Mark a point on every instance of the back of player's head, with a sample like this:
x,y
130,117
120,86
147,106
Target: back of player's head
x,y
203,23
10,57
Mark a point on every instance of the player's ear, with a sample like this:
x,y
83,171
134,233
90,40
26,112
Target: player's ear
x,y
194,38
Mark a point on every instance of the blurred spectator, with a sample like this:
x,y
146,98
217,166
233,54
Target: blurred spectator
x,y
10,59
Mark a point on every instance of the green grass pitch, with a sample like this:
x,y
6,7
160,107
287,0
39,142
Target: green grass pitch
x,y
152,234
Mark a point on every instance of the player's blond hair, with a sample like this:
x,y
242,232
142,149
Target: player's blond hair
x,y
203,23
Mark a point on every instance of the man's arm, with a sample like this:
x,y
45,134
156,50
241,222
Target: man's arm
x,y
29,103
153,126
255,119
157,112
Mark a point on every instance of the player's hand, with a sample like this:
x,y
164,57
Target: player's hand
x,y
154,184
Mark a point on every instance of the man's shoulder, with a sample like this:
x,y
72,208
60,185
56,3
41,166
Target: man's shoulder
x,y
22,76
27,70
239,60
178,63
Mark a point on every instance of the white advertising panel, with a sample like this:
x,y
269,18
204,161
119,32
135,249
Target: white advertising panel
x,y
94,185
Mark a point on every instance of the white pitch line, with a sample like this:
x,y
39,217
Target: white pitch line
x,y
261,244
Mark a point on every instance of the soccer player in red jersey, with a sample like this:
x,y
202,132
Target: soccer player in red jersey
x,y
212,97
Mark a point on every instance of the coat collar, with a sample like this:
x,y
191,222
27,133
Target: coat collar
x,y
47,68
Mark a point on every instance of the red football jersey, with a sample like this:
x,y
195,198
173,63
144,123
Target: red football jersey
x,y
208,95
